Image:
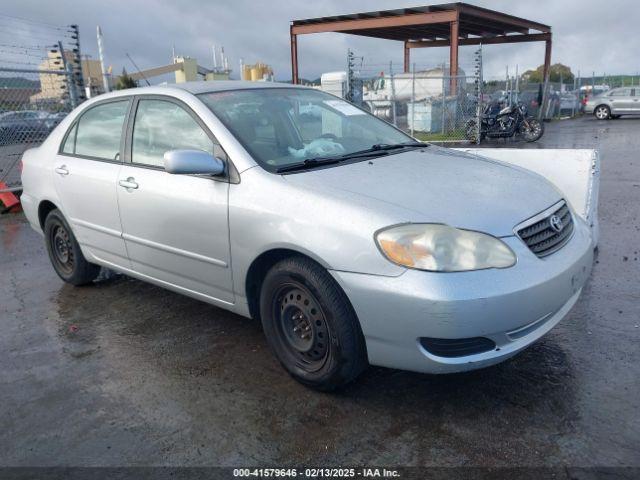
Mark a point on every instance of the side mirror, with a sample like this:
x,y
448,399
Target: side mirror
x,y
192,161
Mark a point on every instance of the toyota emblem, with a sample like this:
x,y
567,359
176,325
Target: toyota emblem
x,y
555,222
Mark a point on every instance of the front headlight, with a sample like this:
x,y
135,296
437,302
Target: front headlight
x,y
440,248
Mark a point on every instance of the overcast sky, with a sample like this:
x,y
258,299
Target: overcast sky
x,y
588,35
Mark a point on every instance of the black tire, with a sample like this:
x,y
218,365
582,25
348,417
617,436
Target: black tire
x,y
310,325
602,112
64,251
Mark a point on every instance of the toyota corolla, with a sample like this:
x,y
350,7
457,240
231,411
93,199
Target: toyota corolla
x,y
352,243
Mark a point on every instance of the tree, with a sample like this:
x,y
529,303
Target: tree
x,y
556,72
125,81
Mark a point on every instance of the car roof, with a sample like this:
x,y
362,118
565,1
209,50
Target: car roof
x,y
223,85
194,88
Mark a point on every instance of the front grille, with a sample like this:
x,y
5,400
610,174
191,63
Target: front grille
x,y
548,235
457,347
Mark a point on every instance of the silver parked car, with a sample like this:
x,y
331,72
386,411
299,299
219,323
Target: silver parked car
x,y
614,103
350,241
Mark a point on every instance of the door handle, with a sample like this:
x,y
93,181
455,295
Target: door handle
x,y
129,183
62,170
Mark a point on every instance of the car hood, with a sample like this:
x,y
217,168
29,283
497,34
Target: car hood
x,y
439,185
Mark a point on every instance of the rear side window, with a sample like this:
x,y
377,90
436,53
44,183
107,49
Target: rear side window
x,y
98,132
70,143
161,126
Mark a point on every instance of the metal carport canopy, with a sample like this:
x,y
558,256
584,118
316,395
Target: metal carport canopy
x,y
450,24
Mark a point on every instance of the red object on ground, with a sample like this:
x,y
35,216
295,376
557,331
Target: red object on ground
x,y
10,201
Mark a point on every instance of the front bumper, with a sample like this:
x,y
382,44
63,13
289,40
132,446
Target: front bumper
x,y
588,108
513,307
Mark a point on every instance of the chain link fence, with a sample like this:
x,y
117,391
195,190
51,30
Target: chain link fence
x,y
431,105
427,101
40,82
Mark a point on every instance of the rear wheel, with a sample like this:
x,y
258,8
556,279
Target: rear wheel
x,y
602,112
64,251
310,325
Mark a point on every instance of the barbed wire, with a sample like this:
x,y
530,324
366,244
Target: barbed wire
x,y
35,22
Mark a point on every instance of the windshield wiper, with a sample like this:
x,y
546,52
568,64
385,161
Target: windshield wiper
x,y
394,146
375,150
308,163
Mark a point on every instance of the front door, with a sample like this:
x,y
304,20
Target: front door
x,y
85,175
635,100
621,100
175,227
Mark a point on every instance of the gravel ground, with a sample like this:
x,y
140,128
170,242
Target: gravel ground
x,y
125,373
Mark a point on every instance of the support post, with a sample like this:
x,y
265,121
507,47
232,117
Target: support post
x,y
393,93
413,98
294,58
545,72
407,57
71,86
453,56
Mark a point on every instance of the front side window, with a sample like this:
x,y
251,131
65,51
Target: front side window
x,y
161,126
98,132
284,126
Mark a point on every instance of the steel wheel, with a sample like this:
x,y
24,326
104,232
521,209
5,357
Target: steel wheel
x,y
65,253
602,112
302,326
310,325
62,249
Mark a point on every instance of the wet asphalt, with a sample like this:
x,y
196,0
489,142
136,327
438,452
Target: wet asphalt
x,y
126,373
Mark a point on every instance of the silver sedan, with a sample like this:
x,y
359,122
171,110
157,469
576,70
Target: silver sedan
x,y
352,243
614,103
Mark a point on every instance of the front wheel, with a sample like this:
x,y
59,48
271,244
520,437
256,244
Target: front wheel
x,y
64,252
310,325
532,130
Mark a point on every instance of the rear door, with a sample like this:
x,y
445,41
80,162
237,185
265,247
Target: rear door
x,y
86,173
175,226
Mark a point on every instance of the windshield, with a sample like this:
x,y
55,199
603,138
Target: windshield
x,y
286,126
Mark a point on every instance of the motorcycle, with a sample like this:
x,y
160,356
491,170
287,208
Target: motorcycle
x,y
510,121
